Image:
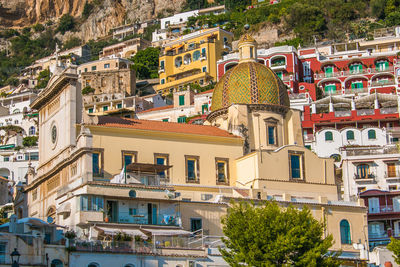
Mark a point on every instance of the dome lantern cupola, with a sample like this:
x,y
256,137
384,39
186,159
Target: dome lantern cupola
x,y
247,47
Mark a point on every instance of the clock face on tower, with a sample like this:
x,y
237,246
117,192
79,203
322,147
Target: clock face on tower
x,y
53,134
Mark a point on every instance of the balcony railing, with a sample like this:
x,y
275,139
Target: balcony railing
x,y
308,137
361,151
115,246
343,113
367,177
365,112
383,209
392,110
382,84
347,73
143,218
378,235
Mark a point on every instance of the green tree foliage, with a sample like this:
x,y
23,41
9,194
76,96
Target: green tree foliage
x,y
30,141
24,50
97,46
394,246
38,27
43,79
72,42
87,90
146,63
66,23
3,214
87,9
270,235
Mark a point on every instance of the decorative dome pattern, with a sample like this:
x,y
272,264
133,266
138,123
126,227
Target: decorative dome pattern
x,y
249,83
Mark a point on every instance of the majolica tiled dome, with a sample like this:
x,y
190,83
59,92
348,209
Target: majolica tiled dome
x,y
249,83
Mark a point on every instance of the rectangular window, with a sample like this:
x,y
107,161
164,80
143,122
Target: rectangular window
x,y
162,81
90,110
128,157
331,88
204,108
92,203
181,100
85,69
162,64
195,224
165,120
363,171
296,161
328,72
182,119
34,156
222,170
162,159
192,169
94,68
3,246
107,66
203,52
271,135
96,159
6,159
204,69
119,105
105,108
391,169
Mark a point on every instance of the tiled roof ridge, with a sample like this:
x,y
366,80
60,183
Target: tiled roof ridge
x,y
153,125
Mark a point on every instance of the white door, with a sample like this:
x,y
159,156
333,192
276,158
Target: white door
x,y
373,205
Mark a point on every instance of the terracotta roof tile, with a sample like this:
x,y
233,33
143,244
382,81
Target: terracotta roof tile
x,y
161,126
206,92
157,108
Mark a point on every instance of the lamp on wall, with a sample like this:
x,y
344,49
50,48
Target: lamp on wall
x,y
15,258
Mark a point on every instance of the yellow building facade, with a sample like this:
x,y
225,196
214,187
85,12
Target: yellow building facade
x,y
192,58
128,174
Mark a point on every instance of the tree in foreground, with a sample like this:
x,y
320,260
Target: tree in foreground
x,y
394,246
269,235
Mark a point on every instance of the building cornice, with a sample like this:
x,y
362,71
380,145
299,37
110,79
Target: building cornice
x,y
56,87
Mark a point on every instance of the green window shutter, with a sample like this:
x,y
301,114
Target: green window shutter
x,y
182,119
181,100
329,71
165,120
280,74
371,134
350,135
330,88
328,136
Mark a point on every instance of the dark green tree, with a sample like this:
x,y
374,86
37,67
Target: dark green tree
x,y
394,246
87,10
43,79
66,23
72,42
269,235
30,141
146,63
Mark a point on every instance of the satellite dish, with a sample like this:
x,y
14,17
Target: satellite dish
x,y
50,219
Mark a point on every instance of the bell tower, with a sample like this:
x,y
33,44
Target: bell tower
x,y
247,47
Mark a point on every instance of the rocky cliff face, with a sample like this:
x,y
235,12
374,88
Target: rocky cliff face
x,y
106,14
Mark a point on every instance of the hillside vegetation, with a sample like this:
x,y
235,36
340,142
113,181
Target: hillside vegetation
x,y
338,20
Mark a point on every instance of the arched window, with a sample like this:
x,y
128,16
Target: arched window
x,y
16,111
328,136
196,55
345,236
56,263
129,265
371,134
32,130
187,59
93,264
178,62
350,135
